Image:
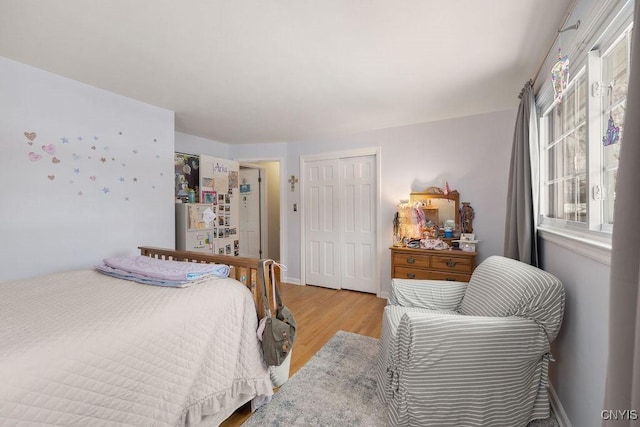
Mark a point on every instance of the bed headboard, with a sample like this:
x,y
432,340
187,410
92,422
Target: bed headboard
x,y
248,271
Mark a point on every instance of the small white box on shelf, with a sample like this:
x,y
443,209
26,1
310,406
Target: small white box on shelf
x,y
467,242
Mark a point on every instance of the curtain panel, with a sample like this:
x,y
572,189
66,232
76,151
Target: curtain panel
x,y
623,369
521,237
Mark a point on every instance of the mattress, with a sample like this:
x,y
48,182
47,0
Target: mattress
x,y
81,348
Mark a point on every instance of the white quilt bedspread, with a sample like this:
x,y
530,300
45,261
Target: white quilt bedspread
x,y
83,349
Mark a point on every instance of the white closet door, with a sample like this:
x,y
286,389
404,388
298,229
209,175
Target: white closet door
x,y
340,223
322,223
358,219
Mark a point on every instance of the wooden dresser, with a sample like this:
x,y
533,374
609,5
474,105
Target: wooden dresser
x,y
430,264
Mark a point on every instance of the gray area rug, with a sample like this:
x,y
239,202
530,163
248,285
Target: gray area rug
x,y
335,388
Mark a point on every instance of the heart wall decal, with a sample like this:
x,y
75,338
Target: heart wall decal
x,y
51,177
34,157
55,160
30,135
50,149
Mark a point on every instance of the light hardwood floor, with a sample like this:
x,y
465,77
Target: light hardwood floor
x,y
320,313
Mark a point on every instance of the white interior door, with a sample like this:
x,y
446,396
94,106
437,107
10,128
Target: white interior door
x,y
358,219
249,225
322,228
340,223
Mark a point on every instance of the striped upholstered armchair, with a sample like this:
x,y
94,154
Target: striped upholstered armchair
x,y
453,353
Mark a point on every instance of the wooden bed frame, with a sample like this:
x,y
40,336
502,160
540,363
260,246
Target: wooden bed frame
x,y
248,271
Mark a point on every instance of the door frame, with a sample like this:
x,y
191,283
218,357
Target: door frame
x,y
373,151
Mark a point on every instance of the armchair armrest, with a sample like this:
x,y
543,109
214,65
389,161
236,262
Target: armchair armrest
x,y
430,294
391,318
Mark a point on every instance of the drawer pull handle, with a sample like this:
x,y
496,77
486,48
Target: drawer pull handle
x,y
451,263
411,260
411,276
450,279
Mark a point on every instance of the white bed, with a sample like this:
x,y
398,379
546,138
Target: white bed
x,y
81,348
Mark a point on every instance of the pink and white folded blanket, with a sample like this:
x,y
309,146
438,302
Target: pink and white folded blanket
x,y
160,272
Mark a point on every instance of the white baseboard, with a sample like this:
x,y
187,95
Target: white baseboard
x,y
561,415
290,280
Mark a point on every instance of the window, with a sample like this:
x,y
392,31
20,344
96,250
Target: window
x,y
578,163
565,152
615,76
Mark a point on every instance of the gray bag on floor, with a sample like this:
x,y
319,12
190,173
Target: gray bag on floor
x,y
280,331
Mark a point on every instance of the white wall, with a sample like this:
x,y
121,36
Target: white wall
x,y
578,374
101,186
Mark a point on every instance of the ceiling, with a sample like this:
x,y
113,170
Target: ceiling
x,y
240,71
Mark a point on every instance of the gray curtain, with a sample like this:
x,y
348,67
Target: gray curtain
x,y
623,370
520,239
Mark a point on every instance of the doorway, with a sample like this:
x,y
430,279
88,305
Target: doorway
x,y
259,225
340,225
249,224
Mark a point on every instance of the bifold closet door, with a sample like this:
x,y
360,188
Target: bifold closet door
x,y
340,218
322,223
357,223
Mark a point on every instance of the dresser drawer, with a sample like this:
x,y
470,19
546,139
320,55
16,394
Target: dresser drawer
x,y
455,277
425,264
411,273
452,264
410,260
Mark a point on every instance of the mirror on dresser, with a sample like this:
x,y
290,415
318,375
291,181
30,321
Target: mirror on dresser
x,y
433,214
429,214
438,206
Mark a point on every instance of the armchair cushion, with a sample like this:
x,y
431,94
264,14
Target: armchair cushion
x,y
503,287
